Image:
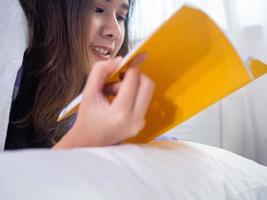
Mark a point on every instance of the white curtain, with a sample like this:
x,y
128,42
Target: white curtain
x,y
239,122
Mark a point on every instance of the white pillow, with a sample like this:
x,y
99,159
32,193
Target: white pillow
x,y
163,170
13,27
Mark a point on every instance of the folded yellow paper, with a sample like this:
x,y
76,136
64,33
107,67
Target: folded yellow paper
x,y
193,66
258,68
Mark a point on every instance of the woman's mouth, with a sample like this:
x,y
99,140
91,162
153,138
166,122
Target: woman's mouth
x,y
102,53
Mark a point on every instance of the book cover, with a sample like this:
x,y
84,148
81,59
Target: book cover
x,y
193,65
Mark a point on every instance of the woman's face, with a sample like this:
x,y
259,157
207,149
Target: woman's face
x,y
107,28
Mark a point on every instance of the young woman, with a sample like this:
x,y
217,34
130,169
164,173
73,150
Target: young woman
x,y
72,48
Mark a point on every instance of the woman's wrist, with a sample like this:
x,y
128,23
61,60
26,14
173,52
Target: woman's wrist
x,y
66,142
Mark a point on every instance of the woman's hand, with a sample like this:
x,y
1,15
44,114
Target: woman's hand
x,y
100,122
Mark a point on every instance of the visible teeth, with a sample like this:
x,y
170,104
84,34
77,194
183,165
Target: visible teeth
x,y
100,50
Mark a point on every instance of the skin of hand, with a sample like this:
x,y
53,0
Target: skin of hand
x,y
101,122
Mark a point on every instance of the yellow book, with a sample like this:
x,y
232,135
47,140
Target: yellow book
x,y
193,66
258,68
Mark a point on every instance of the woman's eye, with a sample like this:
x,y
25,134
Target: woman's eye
x,y
99,10
121,18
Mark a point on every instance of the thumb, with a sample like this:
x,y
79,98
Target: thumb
x,y
99,74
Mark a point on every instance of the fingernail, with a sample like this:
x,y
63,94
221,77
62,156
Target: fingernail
x,y
139,59
118,60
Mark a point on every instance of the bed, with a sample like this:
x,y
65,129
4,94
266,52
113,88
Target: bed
x,y
160,170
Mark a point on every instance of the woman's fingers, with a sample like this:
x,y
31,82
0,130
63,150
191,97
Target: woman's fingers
x,y
99,75
126,96
143,98
112,89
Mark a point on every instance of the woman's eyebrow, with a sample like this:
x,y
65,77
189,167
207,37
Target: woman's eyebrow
x,y
124,6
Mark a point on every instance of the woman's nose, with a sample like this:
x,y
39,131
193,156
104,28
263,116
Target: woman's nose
x,y
111,29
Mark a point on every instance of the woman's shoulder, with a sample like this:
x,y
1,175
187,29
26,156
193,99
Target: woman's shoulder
x,y
17,83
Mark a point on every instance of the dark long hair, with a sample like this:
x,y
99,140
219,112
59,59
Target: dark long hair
x,y
56,65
